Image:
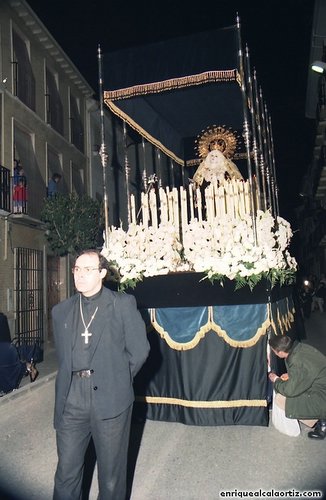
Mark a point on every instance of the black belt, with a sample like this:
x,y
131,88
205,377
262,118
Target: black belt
x,y
83,373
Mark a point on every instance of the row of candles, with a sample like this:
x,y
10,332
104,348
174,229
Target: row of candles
x,y
182,205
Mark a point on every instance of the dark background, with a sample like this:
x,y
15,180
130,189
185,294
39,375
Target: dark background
x,y
278,34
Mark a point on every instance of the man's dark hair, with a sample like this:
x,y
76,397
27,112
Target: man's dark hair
x,y
281,343
103,263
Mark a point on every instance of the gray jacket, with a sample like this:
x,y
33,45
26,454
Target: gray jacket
x,y
117,353
305,391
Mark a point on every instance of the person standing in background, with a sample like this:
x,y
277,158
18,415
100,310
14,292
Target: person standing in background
x,y
53,185
19,195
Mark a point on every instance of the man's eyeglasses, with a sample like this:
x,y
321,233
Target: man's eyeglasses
x,y
85,270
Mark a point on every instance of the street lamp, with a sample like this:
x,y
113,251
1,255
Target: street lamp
x,y
319,67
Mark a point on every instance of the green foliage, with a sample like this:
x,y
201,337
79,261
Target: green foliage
x,y
128,284
72,223
274,276
251,281
213,278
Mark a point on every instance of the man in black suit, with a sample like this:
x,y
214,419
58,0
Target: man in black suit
x,y
101,344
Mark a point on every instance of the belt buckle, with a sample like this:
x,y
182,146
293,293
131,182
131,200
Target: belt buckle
x,y
84,373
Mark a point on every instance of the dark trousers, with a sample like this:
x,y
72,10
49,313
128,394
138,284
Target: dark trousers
x,y
110,437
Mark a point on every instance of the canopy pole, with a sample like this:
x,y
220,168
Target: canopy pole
x,y
127,170
171,166
144,175
273,165
265,149
246,131
253,124
270,160
103,154
260,143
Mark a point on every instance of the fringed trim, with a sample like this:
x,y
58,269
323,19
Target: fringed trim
x,y
271,321
283,322
142,132
202,404
230,75
243,343
290,314
209,326
178,346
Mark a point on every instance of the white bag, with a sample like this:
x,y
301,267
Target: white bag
x,y
285,425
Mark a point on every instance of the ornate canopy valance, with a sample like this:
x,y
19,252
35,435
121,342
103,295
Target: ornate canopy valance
x,y
170,91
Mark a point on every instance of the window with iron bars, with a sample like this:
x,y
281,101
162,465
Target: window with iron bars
x,y
5,191
29,303
23,77
53,104
76,124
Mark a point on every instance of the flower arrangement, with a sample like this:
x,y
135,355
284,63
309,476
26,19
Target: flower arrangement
x,y
143,251
221,248
227,248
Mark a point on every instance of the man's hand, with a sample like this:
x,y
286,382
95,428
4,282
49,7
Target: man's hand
x,y
272,376
285,376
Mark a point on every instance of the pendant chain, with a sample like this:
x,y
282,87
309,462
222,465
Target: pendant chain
x,y
82,316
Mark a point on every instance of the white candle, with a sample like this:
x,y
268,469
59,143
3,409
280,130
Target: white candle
x,y
175,196
247,198
163,206
241,201
143,209
170,205
184,209
208,203
153,207
191,202
133,209
235,184
215,199
199,206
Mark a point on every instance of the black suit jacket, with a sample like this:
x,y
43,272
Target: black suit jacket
x,y
117,353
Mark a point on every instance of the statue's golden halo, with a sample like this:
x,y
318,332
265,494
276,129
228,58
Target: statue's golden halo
x,y
216,137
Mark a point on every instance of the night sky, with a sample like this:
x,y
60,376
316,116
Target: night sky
x,y
278,34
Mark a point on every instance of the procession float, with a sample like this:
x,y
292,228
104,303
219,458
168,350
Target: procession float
x,y
208,260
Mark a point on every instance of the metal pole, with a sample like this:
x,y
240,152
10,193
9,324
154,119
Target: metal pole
x,y
270,162
265,149
253,123
103,154
171,173
273,165
127,171
144,175
246,131
159,167
260,143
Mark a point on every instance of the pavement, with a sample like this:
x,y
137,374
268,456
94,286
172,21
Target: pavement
x,y
167,460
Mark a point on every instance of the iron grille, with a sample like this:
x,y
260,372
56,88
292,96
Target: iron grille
x,y
5,191
29,325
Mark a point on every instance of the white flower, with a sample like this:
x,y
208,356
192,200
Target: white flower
x,y
225,247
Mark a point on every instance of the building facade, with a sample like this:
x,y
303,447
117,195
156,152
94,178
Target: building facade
x,y
311,213
50,122
43,130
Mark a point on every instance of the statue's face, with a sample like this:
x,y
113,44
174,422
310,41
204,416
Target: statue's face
x,y
213,157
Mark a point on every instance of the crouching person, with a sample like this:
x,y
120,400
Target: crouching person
x,y
302,390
